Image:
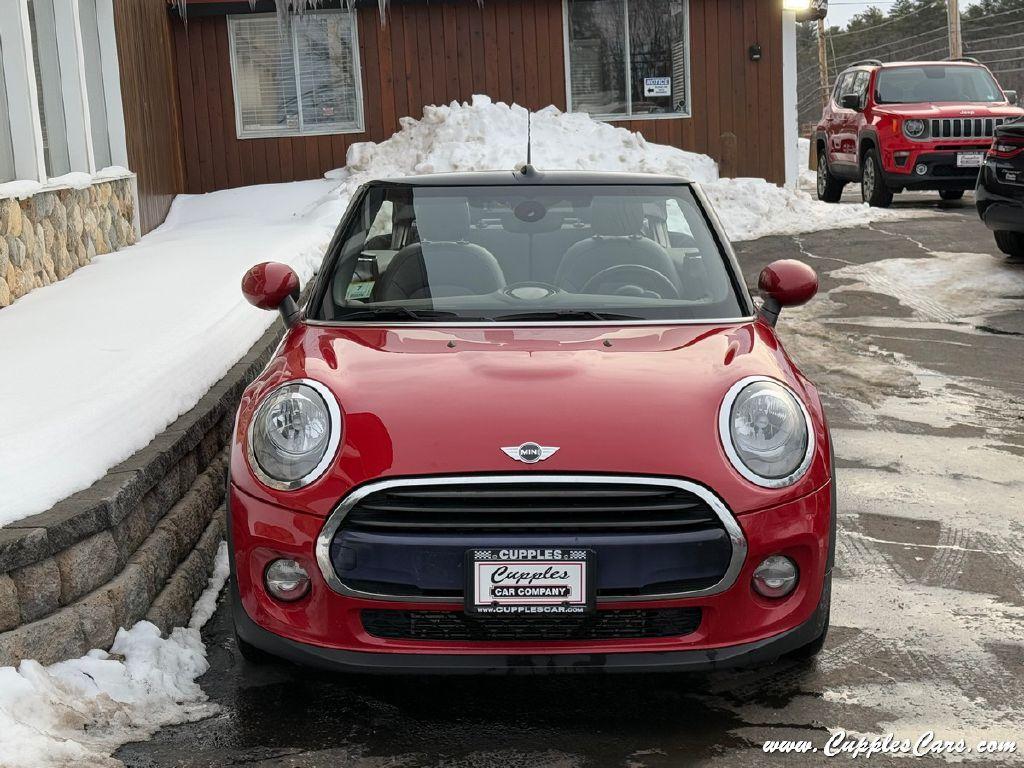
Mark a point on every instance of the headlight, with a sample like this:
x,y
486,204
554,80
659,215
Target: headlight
x,y
294,435
766,432
914,128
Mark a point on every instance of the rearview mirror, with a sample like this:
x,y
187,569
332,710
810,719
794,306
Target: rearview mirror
x,y
271,285
850,101
1011,96
785,283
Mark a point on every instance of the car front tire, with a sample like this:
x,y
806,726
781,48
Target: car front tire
x,y
1011,243
872,185
830,189
951,194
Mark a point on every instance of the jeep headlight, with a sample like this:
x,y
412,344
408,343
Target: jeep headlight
x,y
914,128
766,432
294,435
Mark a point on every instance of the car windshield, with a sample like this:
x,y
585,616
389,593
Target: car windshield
x,y
936,82
527,253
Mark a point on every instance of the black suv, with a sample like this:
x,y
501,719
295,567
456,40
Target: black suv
x,y
1000,192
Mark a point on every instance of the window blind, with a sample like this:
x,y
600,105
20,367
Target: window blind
x,y
298,77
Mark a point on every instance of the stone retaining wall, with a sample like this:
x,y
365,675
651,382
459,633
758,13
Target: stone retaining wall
x,y
138,544
46,237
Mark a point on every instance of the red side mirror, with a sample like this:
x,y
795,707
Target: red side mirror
x,y
785,283
271,285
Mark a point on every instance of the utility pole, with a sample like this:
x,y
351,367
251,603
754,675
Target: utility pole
x,y
956,44
822,63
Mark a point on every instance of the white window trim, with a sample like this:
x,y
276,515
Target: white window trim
x,y
357,68
22,102
22,97
629,116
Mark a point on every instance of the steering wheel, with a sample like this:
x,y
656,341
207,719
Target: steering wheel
x,y
633,280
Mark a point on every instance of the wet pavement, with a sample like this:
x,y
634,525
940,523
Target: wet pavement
x,y
916,342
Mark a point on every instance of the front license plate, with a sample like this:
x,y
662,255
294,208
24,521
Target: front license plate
x,y
970,159
530,581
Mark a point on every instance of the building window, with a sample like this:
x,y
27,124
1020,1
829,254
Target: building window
x,y
94,87
43,27
628,59
296,77
7,172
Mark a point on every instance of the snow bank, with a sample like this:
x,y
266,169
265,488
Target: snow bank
x,y
484,135
76,180
78,712
98,364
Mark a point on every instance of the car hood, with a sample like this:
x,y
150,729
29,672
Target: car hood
x,y
623,400
926,111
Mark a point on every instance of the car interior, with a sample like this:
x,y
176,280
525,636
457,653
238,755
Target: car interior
x,y
495,249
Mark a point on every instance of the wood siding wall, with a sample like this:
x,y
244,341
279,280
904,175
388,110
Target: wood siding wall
x,y
511,50
149,91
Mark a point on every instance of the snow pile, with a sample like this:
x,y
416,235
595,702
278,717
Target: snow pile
x,y
78,712
808,178
75,180
483,135
98,364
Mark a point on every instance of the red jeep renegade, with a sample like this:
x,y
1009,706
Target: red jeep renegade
x,y
911,125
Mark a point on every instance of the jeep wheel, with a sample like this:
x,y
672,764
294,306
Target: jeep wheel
x,y
872,186
1011,243
951,194
830,189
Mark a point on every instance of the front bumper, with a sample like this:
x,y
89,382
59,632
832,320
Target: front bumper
x,y
750,654
942,171
737,626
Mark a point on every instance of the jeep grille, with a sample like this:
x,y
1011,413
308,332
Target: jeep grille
x,y
964,127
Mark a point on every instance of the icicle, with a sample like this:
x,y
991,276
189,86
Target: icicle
x,y
179,6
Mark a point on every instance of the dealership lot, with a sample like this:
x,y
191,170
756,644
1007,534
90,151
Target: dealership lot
x,y
915,341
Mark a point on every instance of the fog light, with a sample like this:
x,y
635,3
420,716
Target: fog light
x,y
921,169
775,576
286,580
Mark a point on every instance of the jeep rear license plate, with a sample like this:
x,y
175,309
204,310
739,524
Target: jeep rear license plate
x,y
970,159
538,581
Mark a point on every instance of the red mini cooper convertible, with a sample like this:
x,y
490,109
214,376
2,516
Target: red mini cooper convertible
x,y
530,421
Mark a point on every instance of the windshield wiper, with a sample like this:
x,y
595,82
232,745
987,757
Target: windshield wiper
x,y
404,313
565,314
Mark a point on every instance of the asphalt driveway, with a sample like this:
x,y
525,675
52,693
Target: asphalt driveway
x,y
917,344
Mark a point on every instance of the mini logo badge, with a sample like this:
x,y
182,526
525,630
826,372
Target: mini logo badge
x,y
529,453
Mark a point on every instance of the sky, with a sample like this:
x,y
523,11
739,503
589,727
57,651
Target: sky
x,y
841,11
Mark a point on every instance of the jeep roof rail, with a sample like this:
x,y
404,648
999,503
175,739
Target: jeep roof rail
x,y
969,59
868,62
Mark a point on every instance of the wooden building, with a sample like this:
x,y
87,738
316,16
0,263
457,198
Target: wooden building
x,y
220,93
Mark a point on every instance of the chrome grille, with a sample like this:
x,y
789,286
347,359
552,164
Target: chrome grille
x,y
964,127
528,507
